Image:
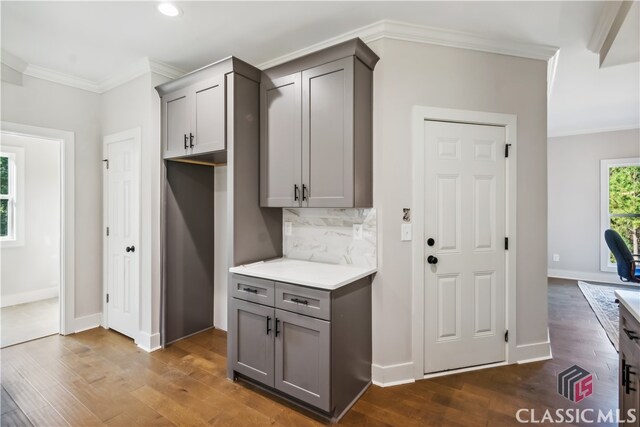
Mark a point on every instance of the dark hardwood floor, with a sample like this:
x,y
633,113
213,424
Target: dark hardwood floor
x,y
99,377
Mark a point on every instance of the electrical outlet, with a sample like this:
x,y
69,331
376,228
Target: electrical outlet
x,y
556,257
357,231
287,228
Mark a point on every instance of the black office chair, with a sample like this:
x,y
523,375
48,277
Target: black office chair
x,y
627,263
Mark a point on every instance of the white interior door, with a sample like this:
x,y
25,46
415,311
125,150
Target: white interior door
x,y
122,221
465,261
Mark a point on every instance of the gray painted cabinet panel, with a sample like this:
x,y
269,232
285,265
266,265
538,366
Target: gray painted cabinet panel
x,y
252,343
176,121
280,168
208,116
317,133
327,134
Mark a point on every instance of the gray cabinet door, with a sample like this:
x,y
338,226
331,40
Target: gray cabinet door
x,y
175,132
327,134
208,116
251,337
303,357
280,142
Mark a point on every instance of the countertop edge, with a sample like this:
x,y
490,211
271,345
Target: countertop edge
x,y
244,272
635,311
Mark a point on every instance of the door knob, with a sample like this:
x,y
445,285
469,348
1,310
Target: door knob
x,y
432,260
131,248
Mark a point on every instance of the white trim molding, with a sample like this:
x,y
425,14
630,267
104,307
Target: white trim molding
x,y
12,61
509,121
390,375
148,342
31,296
85,323
588,276
429,35
67,215
535,352
593,130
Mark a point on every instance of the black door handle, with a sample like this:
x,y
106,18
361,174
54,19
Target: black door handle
x,y
300,301
296,192
253,291
277,323
131,248
191,140
185,141
268,325
304,192
632,335
432,260
628,373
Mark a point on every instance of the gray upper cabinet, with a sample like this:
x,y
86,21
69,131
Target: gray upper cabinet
x,y
316,139
196,108
280,155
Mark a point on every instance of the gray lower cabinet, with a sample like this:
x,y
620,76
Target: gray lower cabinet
x,y
309,345
316,129
629,368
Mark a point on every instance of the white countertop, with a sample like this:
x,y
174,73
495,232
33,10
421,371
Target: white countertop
x,y
305,273
631,301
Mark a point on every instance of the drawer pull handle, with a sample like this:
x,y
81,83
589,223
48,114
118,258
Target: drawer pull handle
x,y
632,335
268,324
628,372
300,301
253,291
277,323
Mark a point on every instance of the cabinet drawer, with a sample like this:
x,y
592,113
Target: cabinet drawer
x,y
307,301
629,329
252,289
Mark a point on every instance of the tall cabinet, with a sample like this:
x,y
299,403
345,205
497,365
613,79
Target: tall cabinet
x,y
209,118
316,129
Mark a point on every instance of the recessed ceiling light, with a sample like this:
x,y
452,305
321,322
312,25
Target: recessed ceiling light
x,y
169,9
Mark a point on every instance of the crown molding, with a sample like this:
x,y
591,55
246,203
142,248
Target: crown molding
x,y
429,35
595,130
61,78
608,14
141,67
12,61
552,67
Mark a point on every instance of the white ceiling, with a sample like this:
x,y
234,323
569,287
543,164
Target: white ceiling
x,y
95,40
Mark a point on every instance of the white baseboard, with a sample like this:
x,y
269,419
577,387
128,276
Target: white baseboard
x,y
148,342
385,376
534,352
87,322
31,296
588,276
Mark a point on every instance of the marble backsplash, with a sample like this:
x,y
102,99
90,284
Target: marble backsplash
x,y
327,235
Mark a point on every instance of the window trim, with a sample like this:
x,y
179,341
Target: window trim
x,y
605,165
16,191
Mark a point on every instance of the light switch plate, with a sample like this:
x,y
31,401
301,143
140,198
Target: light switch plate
x,y
357,231
405,231
287,228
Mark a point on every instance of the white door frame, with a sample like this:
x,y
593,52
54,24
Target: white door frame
x,y
134,135
67,215
509,121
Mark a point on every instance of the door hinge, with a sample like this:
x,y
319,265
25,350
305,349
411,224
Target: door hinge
x,y
107,231
506,243
506,336
506,150
106,162
107,298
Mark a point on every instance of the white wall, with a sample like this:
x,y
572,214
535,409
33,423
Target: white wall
x,y
418,74
137,104
574,200
21,282
41,103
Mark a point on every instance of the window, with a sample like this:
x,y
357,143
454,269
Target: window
x,y
620,205
7,197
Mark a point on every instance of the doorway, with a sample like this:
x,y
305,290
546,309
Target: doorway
x,y
121,193
30,237
464,256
